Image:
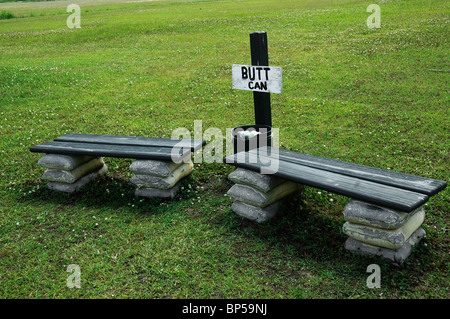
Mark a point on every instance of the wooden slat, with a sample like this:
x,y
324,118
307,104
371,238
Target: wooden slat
x,y
371,192
106,150
410,182
131,140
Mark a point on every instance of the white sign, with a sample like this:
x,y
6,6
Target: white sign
x,y
257,78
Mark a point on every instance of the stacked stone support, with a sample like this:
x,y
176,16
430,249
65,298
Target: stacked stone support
x,y
159,179
70,173
258,196
375,230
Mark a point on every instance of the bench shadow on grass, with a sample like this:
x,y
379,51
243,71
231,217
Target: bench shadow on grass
x,y
298,230
306,232
311,231
109,192
303,230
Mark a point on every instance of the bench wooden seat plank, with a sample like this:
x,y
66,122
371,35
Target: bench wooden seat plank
x,y
131,140
110,150
367,191
413,183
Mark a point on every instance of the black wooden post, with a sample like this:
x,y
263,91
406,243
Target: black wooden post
x,y
260,56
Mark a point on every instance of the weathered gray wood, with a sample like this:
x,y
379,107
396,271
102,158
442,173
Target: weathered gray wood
x,y
109,150
130,140
410,182
368,191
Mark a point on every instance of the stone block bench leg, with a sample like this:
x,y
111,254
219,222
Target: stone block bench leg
x,y
257,196
375,230
67,173
159,179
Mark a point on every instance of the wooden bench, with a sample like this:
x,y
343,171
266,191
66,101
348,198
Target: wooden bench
x,y
136,147
91,146
380,196
377,186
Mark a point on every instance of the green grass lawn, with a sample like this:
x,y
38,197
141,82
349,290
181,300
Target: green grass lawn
x,y
378,97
